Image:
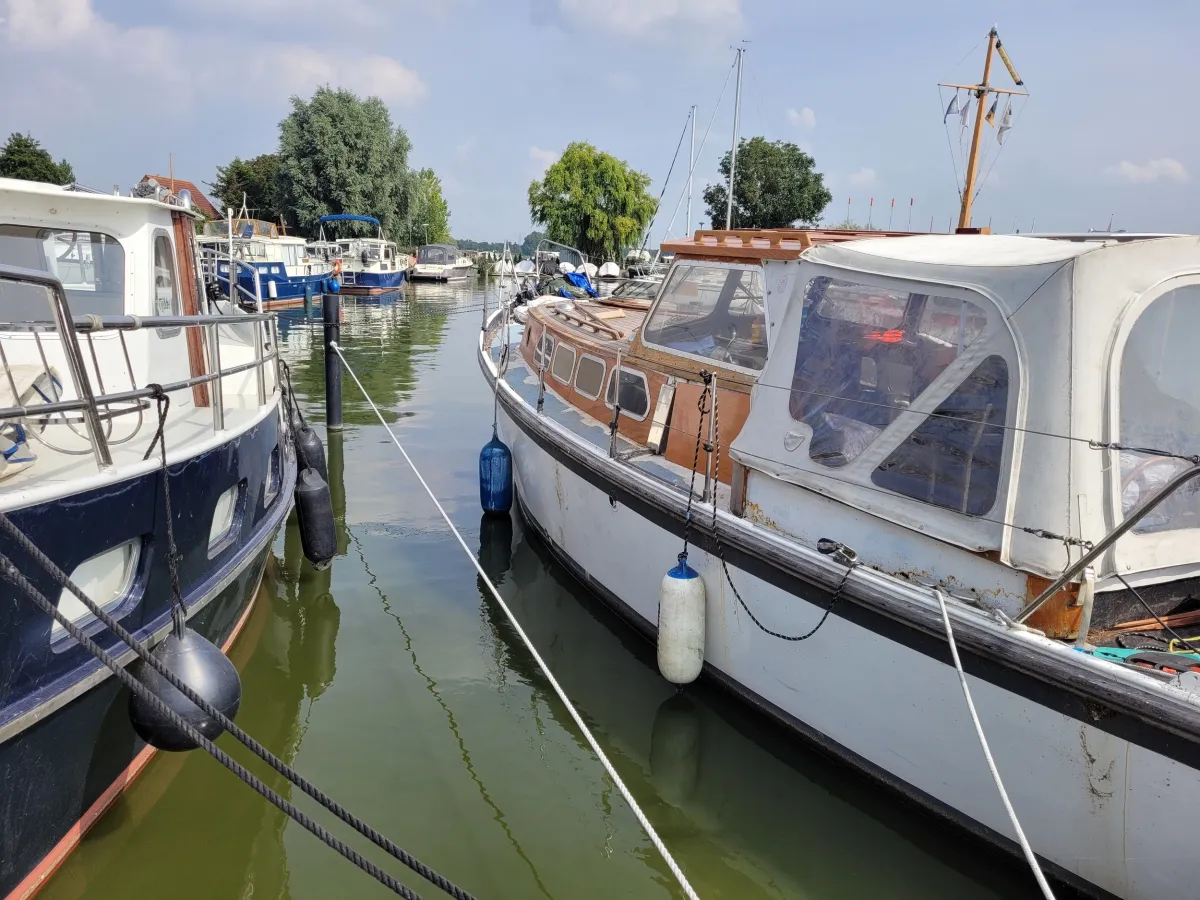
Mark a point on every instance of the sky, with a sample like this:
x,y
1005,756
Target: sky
x,y
491,91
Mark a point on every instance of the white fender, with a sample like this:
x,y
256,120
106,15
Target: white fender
x,y
681,624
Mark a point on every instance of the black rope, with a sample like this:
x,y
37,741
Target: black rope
x,y
703,410
9,571
23,541
178,612
834,598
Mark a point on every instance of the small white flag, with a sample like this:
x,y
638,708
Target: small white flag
x,y
952,108
1005,123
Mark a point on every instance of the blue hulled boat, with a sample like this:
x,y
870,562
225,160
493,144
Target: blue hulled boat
x,y
280,269
99,299
365,265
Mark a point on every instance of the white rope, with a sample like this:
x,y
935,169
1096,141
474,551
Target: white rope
x,y
562,695
987,753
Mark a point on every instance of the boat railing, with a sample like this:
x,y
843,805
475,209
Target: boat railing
x,y
96,409
210,260
549,245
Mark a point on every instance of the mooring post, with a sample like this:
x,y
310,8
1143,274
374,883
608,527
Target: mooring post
x,y
331,313
308,301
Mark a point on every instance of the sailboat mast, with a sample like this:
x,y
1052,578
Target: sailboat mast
x,y
981,92
691,165
737,118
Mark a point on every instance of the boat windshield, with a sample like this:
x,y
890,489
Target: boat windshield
x,y
714,311
436,256
90,265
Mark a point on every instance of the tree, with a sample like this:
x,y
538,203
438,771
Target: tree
x,y
529,245
592,201
253,179
23,157
429,219
775,187
340,154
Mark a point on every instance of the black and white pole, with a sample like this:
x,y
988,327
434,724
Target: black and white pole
x,y
332,313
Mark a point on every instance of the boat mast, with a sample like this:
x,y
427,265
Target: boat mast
x,y
981,93
737,116
691,165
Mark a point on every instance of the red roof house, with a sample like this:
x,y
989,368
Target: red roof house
x,y
202,203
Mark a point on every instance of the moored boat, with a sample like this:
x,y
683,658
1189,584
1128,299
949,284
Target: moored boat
x,y
280,270
441,262
998,423
104,315
365,265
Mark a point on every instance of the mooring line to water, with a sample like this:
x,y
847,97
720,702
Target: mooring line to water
x,y
987,753
558,689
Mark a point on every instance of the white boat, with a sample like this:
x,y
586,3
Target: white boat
x,y
365,265
284,267
939,418
441,262
609,270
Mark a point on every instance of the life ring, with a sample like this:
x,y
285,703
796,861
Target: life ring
x,y
337,267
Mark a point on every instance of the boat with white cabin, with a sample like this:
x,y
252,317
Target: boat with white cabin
x,y
282,268
441,262
365,265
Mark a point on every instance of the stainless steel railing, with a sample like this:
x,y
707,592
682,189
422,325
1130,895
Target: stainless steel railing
x,y
135,400
210,259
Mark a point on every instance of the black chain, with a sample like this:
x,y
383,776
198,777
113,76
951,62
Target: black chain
x,y
837,594
178,612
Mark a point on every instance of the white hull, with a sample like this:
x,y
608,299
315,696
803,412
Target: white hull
x,y
1098,808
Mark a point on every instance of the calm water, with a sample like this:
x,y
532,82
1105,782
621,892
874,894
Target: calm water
x,y
393,684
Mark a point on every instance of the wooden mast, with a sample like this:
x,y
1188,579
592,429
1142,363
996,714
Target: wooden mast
x,y
981,93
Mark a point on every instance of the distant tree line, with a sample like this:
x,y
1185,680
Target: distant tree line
x,y
523,248
339,154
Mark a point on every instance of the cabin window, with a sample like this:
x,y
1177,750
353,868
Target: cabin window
x,y
166,288
563,363
436,256
1159,408
589,378
715,312
953,459
865,353
91,267
635,398
545,347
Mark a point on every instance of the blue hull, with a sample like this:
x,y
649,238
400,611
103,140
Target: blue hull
x,y
372,281
65,737
287,287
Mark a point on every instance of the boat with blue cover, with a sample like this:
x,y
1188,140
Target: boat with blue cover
x,y
103,317
283,268
365,265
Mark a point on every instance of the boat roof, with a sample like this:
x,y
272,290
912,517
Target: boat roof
x,y
85,194
348,217
443,246
964,250
763,243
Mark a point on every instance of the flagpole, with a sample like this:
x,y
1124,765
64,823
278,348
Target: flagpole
x,y
891,213
981,92
910,206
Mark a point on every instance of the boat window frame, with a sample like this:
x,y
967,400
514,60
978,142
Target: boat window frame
x,y
645,384
1141,551
603,376
559,346
707,360
545,354
177,300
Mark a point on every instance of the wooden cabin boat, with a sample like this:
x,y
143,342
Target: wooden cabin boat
x,y
100,298
1006,425
441,262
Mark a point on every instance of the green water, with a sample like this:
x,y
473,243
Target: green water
x,y
392,683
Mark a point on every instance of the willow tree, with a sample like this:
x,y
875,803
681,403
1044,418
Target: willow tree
x,y
341,154
592,201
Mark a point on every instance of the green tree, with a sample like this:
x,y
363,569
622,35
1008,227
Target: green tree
x,y
529,245
592,201
23,157
776,186
429,218
340,154
253,179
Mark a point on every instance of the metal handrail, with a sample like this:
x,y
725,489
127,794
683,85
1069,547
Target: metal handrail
x,y
210,257
1139,513
68,326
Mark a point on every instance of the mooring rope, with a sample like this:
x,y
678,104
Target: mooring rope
x,y
537,657
987,755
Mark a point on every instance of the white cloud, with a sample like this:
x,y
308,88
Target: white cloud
x,y
299,71
1165,169
656,21
622,81
862,178
542,159
802,118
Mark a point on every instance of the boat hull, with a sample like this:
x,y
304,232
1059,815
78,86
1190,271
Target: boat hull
x,y
1097,791
450,273
66,746
371,282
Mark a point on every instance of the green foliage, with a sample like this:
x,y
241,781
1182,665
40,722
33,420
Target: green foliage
x,y
253,179
340,154
592,201
23,157
848,225
429,215
775,186
529,245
